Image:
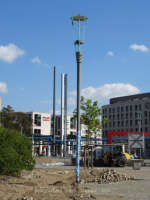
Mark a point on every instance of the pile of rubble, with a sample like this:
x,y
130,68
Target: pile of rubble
x,y
106,176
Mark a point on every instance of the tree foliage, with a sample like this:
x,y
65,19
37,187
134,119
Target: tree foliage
x,y
90,116
15,120
15,152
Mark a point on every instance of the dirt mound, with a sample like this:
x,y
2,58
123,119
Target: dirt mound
x,y
44,160
84,174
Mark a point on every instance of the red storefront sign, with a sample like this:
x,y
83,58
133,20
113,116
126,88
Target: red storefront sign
x,y
44,146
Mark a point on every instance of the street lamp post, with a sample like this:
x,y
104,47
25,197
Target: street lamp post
x,y
78,18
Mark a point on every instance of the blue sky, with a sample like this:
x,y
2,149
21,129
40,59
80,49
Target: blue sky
x,y
36,35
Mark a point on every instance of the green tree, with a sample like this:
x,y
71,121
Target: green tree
x,y
15,120
90,117
15,152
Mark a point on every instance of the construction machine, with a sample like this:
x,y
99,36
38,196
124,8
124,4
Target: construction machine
x,y
111,155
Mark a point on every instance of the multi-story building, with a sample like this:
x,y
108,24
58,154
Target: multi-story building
x,y
127,113
41,125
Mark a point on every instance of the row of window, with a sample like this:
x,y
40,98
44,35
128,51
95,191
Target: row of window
x,y
127,116
128,100
121,109
127,123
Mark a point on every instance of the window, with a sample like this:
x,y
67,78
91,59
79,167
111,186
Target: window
x,y
122,116
122,130
113,124
37,131
113,110
106,125
29,115
118,123
113,117
103,117
127,123
37,119
149,120
109,110
131,129
140,107
136,115
58,132
130,108
127,129
145,121
130,115
126,115
110,117
126,108
118,116
136,130
145,129
105,133
130,122
58,122
122,123
105,111
136,122
121,109
136,107
118,109
109,124
145,113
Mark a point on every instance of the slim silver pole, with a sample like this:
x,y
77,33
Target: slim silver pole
x,y
54,102
62,113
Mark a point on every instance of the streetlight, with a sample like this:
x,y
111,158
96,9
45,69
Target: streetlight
x,y
78,18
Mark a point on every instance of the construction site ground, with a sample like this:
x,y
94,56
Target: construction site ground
x,y
58,182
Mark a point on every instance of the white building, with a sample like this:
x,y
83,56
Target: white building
x,y
41,125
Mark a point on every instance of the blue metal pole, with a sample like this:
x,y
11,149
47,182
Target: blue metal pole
x,y
73,148
47,147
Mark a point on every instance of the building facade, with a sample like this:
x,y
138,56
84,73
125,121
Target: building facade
x,y
128,113
41,126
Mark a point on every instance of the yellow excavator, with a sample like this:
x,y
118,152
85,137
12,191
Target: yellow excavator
x,y
111,155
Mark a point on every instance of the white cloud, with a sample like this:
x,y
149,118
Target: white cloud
x,y
138,47
110,53
36,60
71,101
3,87
22,88
107,91
45,102
10,52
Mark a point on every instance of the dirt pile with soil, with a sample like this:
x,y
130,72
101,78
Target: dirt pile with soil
x,y
44,160
52,184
